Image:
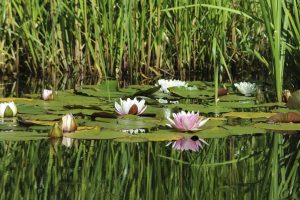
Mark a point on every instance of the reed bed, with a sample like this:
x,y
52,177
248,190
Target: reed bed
x,y
132,39
142,41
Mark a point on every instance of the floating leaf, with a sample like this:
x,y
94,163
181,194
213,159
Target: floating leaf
x,y
103,115
146,91
242,130
284,117
21,136
278,126
201,108
7,99
234,97
185,93
248,115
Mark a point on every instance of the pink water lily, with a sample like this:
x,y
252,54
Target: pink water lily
x,y
134,107
187,121
194,144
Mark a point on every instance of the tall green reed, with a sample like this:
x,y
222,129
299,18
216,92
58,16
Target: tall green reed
x,y
129,40
276,23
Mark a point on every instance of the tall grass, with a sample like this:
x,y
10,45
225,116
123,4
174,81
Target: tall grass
x,y
276,23
141,41
130,40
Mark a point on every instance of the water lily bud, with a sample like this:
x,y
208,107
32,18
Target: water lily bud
x,y
8,110
56,131
47,95
68,123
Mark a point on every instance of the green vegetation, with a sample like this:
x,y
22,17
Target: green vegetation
x,y
135,41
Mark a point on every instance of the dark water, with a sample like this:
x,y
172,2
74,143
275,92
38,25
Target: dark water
x,y
249,167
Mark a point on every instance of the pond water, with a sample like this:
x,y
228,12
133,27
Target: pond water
x,y
245,158
229,168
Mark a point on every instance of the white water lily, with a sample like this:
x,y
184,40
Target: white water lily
x,y
47,95
134,107
8,109
134,131
68,123
67,142
165,84
246,88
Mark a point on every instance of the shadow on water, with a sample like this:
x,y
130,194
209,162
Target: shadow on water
x,y
246,167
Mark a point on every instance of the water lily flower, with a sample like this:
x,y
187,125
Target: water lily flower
x,y
134,131
47,95
246,88
187,121
68,142
8,109
68,123
194,144
129,106
165,84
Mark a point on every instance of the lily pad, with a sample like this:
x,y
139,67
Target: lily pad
x,y
201,108
234,97
278,126
185,93
95,133
248,115
242,130
22,136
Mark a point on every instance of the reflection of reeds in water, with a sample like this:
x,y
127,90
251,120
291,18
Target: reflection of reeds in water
x,y
257,167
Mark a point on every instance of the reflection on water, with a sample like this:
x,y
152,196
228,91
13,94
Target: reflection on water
x,y
247,167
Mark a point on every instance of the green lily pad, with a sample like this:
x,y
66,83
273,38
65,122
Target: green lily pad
x,y
105,90
95,133
185,93
248,115
242,130
131,138
140,90
215,132
22,136
278,126
234,97
201,108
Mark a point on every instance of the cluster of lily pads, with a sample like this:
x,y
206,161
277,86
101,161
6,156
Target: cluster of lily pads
x,y
136,116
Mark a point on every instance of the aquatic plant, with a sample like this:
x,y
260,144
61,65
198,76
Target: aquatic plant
x,y
165,84
246,88
187,121
68,123
293,100
67,142
56,131
8,109
194,144
133,107
47,95
286,94
134,131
